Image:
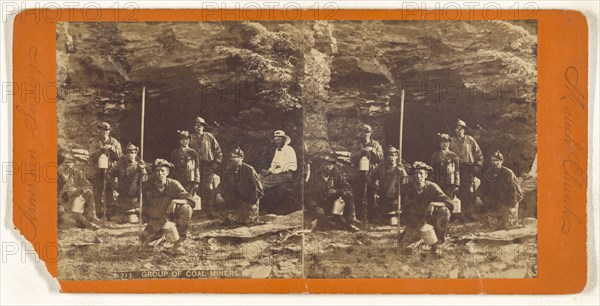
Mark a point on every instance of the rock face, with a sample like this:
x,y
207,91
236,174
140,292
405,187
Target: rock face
x,y
315,80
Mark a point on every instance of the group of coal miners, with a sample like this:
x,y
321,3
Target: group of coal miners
x,y
169,189
428,193
196,174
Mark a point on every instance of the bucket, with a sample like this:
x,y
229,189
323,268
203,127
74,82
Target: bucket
x,y
338,207
428,234
198,201
363,164
103,161
170,231
133,218
215,181
78,204
393,220
456,202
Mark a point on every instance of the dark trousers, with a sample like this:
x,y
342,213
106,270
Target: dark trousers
x,y
466,190
103,193
208,195
370,211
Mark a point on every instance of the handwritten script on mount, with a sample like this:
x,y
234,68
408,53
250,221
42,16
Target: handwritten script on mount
x,y
573,172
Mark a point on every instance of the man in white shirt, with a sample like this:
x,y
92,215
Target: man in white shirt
x,y
283,164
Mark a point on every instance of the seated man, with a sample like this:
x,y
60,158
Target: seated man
x,y
283,163
423,202
501,193
73,184
125,177
325,187
166,200
385,179
241,189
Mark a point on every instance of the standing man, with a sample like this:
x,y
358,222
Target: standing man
x,y
125,177
72,183
241,189
423,202
187,164
501,193
284,163
372,150
210,158
166,200
385,179
446,167
471,161
109,149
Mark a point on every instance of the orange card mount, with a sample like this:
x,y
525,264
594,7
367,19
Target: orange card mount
x,y
312,79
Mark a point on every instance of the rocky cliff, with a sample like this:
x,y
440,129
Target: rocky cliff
x,y
316,80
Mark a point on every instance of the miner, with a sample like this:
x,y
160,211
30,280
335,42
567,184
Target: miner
x,y
126,177
241,190
370,149
73,184
166,200
283,163
329,196
187,164
423,202
103,159
210,158
385,179
446,167
501,194
471,161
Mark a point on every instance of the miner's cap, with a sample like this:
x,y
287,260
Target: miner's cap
x,y
159,162
497,155
183,134
105,126
237,152
442,137
131,148
200,120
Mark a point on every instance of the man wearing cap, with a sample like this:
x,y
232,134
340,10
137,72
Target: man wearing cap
x,y
241,189
111,149
385,179
207,147
187,164
283,164
423,202
327,185
372,150
446,167
501,193
125,178
166,200
471,161
72,183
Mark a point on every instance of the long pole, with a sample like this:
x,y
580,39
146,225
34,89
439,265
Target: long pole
x,y
104,197
400,162
141,177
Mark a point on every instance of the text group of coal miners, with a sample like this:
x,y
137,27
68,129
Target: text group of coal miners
x,y
196,174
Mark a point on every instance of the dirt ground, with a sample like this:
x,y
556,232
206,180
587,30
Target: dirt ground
x,y
113,253
374,253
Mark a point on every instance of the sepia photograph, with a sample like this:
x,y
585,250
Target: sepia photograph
x,y
297,149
